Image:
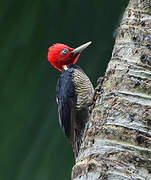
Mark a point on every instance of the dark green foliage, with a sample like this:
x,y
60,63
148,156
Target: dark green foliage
x,y
32,145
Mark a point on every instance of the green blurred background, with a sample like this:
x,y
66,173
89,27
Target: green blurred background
x,y
32,144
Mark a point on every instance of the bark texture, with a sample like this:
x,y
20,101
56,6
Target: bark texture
x,y
117,140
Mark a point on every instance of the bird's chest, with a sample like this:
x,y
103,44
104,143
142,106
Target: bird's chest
x,y
83,89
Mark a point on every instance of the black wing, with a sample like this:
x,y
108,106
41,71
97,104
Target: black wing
x,y
66,99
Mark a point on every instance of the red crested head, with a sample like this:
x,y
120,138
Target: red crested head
x,y
60,55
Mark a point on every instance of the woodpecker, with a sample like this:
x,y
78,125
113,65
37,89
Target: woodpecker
x,y
74,91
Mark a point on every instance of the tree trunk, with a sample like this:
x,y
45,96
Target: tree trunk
x,y
117,140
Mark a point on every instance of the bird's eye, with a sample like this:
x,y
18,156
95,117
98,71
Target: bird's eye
x,y
64,51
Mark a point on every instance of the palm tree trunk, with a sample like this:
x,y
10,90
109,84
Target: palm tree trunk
x,y
117,140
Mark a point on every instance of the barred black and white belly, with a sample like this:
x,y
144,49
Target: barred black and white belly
x,y
84,89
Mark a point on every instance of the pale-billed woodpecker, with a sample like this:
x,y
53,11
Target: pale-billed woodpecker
x,y
74,91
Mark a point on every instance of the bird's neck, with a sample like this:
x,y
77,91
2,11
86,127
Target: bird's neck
x,y
65,67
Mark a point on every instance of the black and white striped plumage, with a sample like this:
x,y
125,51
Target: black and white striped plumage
x,y
74,95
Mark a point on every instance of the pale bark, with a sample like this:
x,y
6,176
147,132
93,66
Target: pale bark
x,y
117,140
